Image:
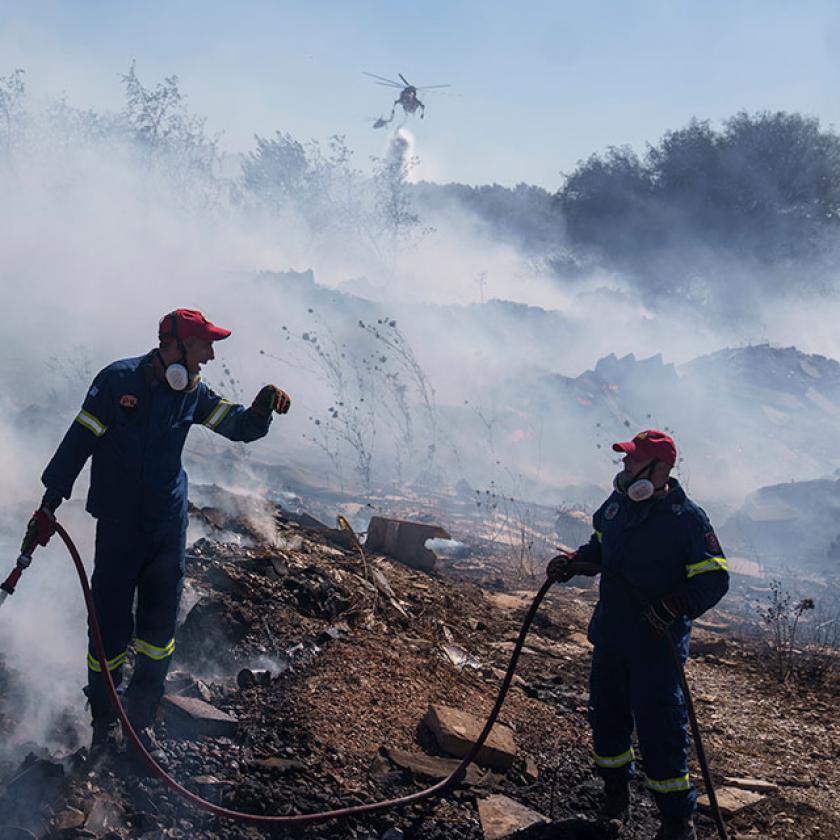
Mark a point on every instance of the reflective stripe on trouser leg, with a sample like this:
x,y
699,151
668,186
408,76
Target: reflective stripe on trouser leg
x,y
144,648
662,728
676,785
117,560
94,664
614,761
610,713
158,596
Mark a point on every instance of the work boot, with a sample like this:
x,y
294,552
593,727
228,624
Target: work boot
x,y
676,828
615,806
106,731
141,709
104,743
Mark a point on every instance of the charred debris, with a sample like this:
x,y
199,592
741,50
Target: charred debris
x,y
313,672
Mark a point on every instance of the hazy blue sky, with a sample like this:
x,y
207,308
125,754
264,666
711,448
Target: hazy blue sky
x,y
536,85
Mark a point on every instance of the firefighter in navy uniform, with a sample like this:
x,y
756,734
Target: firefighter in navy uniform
x,y
654,536
134,422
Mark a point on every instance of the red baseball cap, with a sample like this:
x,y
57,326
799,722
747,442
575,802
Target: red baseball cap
x,y
650,444
189,323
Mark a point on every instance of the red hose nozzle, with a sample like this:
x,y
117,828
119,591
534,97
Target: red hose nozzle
x,y
8,585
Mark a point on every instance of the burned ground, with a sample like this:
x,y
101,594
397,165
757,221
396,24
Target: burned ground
x,y
329,660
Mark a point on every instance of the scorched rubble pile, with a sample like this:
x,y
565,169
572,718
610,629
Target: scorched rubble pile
x,y
311,675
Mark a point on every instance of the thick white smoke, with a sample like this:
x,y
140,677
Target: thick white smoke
x,y
98,239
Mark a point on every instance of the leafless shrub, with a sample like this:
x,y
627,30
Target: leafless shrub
x,y
818,661
376,388
781,619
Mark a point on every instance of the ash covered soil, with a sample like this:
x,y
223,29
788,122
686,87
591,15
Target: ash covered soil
x,y
329,659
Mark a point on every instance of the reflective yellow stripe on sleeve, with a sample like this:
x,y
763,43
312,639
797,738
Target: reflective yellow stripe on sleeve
x,y
614,760
91,423
113,664
668,785
599,536
218,414
710,564
153,651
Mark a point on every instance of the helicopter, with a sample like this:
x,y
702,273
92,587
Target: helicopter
x,y
407,98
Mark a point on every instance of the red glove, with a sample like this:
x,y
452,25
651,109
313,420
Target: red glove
x,y
271,398
39,530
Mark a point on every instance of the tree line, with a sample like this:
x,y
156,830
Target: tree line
x,y
757,197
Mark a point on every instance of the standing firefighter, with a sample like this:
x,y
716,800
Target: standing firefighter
x,y
651,534
134,422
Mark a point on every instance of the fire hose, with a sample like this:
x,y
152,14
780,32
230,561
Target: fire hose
x,y
439,789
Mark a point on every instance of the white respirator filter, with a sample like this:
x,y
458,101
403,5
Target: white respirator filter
x,y
177,377
641,490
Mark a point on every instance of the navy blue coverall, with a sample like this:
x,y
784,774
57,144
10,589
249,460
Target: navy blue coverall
x,y
134,427
665,546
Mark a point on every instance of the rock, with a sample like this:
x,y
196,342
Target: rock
x,y
731,800
34,776
211,787
106,815
578,639
191,717
278,566
247,678
202,691
531,772
544,646
503,817
456,731
381,771
281,765
68,819
460,657
511,601
403,540
208,780
184,685
757,785
433,767
499,674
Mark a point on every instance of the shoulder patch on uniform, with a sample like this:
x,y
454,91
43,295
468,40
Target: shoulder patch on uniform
x,y
611,510
677,510
128,401
712,542
93,391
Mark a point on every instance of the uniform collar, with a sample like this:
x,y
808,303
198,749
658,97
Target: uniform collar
x,y
637,512
675,495
151,367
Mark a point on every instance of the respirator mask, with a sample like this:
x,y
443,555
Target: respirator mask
x,y
177,376
639,487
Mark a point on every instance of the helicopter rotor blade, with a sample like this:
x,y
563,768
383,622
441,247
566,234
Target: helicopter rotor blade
x,y
389,85
433,87
382,79
407,83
